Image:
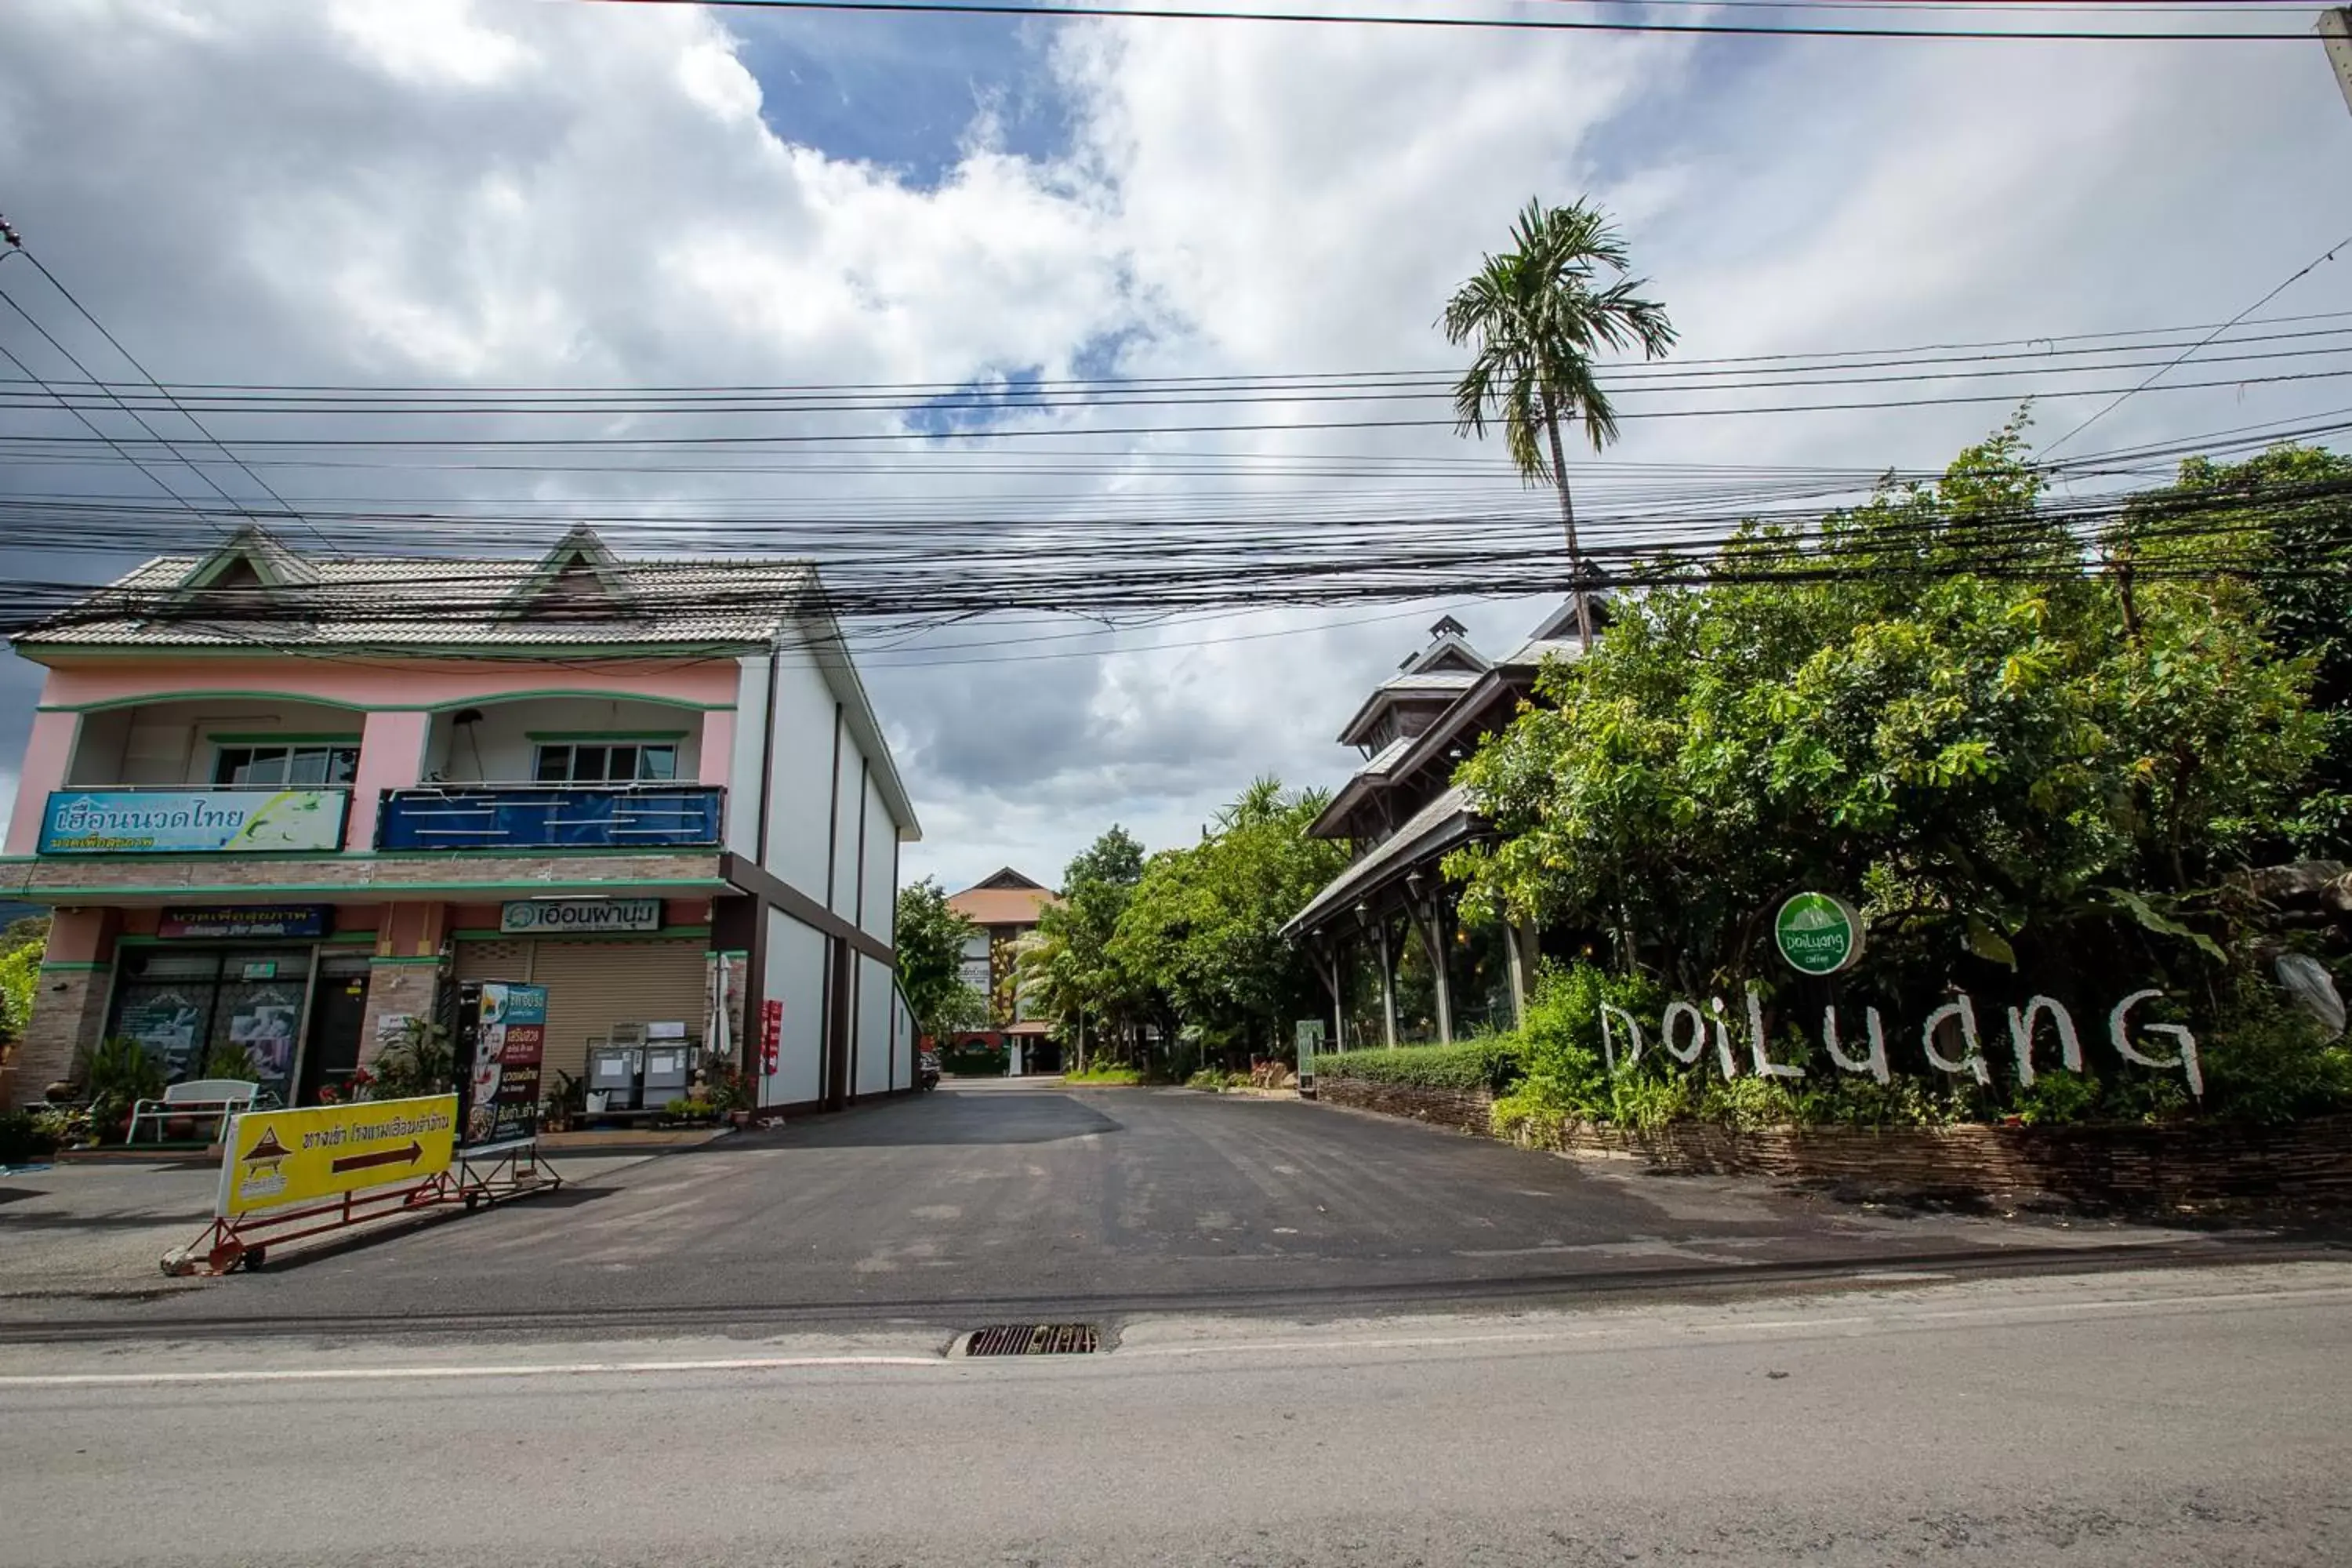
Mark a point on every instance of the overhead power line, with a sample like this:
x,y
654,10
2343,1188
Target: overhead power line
x,y
1449,20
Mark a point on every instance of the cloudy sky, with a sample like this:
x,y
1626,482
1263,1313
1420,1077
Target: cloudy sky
x,y
536,192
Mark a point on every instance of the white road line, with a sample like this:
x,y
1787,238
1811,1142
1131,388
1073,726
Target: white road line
x,y
1657,1335
389,1373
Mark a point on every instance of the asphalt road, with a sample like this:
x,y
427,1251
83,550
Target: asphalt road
x,y
2174,1417
958,1207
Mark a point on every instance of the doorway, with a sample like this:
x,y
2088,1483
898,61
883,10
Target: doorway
x,y
338,1004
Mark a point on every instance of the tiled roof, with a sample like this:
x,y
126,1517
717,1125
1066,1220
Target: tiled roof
x,y
1444,822
1001,906
401,601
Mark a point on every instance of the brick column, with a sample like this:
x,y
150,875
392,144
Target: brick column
x,y
405,976
396,987
69,1000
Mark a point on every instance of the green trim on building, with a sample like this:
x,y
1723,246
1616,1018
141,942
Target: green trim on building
x,y
76,968
622,735
606,694
276,739
340,856
351,894
380,958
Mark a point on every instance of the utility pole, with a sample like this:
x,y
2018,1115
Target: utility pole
x,y
2335,32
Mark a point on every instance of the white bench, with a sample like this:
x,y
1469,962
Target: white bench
x,y
220,1097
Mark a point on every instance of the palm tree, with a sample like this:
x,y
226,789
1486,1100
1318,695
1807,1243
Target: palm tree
x,y
1538,312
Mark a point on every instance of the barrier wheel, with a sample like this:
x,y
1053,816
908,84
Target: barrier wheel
x,y
255,1257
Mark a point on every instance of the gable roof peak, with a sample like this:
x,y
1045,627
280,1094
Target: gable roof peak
x,y
1006,877
250,556
580,576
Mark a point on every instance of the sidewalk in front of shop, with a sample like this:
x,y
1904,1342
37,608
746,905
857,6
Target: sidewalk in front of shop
x,y
94,1228
597,1140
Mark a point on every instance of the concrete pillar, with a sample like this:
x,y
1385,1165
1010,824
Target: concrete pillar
x,y
392,756
68,998
48,753
1519,938
1388,989
1433,936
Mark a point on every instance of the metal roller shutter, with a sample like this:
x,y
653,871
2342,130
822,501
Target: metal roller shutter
x,y
592,985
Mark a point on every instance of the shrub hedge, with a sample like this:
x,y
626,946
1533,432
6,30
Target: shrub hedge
x,y
1492,1062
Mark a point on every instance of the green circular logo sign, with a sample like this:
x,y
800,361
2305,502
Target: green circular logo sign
x,y
1818,934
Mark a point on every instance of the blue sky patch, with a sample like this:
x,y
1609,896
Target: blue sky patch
x,y
903,92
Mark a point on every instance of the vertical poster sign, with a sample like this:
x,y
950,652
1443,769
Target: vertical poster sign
x,y
509,1043
772,1035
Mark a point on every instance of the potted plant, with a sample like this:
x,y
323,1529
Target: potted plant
x,y
117,1074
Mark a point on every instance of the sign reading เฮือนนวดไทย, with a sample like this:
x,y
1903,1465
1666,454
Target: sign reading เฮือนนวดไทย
x,y
273,1158
193,821
523,917
1818,933
509,1044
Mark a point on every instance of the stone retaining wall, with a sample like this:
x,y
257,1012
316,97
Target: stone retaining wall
x,y
1464,1110
2188,1163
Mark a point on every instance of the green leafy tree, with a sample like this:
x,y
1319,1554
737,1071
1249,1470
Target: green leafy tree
x,y
1204,930
2009,762
1064,969
929,936
2281,525
1538,314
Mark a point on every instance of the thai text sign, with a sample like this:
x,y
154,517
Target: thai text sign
x,y
225,921
272,1158
579,916
189,821
509,1041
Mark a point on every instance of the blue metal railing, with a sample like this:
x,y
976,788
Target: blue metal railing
x,y
549,816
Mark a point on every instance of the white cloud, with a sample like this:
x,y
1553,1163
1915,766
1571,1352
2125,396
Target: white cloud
x,y
534,193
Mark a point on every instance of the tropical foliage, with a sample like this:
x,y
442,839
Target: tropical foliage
x,y
930,938
2034,760
1535,316
1203,933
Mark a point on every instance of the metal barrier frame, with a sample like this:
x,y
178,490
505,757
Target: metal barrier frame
x,y
493,1173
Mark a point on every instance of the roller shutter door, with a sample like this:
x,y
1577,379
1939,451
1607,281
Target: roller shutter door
x,y
592,985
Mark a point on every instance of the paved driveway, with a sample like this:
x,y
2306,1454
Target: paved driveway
x,y
970,1204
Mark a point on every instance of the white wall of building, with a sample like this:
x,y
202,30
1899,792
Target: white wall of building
x,y
743,791
873,1026
795,975
881,863
842,897
902,1041
800,797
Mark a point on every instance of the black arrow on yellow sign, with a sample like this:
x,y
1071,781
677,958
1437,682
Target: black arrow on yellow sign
x,y
408,1156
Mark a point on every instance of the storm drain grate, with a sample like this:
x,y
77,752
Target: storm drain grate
x,y
1034,1338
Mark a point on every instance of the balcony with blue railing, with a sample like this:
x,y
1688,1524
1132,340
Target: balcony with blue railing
x,y
550,816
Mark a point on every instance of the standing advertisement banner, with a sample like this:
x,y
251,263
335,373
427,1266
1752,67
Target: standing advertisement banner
x,y
502,1088
273,1158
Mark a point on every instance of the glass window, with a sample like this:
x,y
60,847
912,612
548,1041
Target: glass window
x,y
606,762
263,768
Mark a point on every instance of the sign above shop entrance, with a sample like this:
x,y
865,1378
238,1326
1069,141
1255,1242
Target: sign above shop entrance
x,y
578,917
236,922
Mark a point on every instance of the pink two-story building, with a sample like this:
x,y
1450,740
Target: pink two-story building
x,y
289,799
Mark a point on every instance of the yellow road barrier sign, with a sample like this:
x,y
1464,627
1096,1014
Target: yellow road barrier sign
x,y
273,1158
